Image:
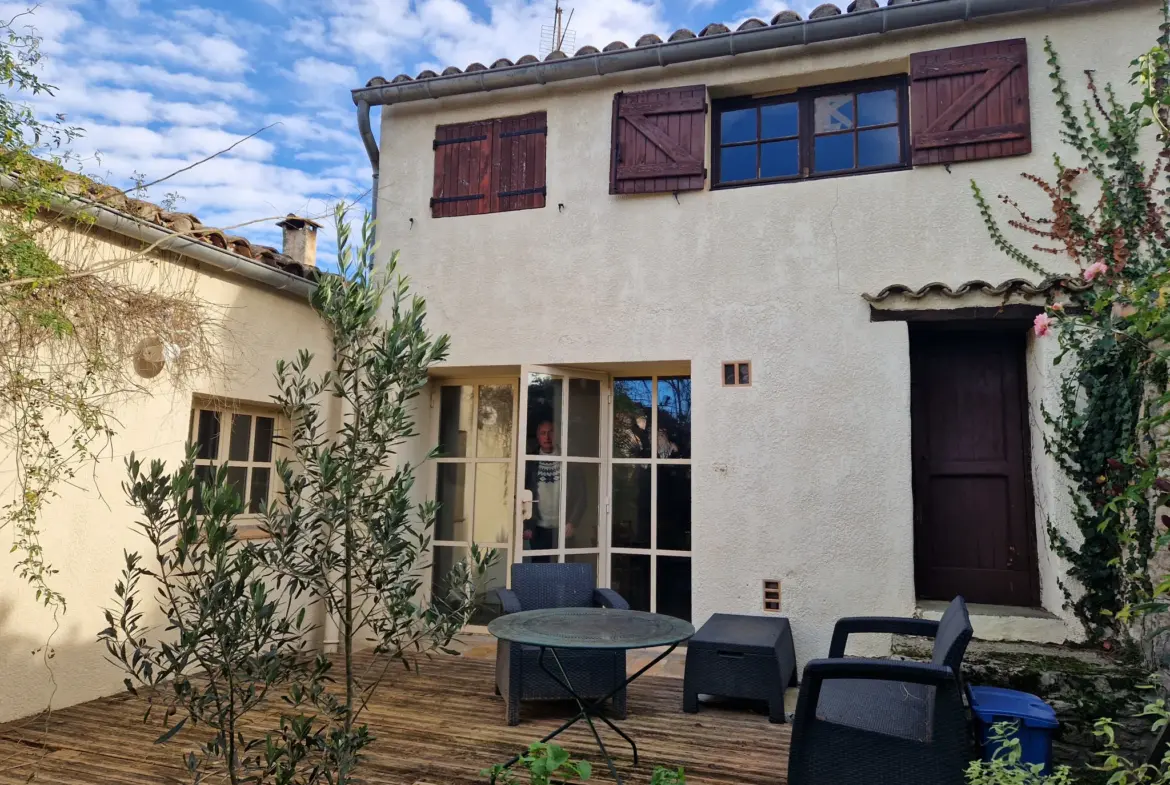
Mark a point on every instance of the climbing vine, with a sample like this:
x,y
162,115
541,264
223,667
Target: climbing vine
x,y
1107,430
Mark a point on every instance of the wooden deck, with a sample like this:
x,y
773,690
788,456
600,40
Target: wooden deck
x,y
438,727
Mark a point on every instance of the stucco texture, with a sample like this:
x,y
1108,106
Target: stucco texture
x,y
86,530
806,475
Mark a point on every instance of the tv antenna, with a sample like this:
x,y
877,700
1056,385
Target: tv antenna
x,y
557,36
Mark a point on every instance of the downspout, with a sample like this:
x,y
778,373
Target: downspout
x,y
367,134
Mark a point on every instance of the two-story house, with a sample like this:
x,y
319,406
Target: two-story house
x,y
726,322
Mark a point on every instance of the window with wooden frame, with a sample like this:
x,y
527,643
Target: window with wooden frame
x,y
490,166
244,438
737,373
828,131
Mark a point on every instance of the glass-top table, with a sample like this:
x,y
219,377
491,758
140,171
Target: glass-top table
x,y
590,628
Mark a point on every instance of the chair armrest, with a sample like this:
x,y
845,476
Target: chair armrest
x,y
608,598
817,672
509,602
889,624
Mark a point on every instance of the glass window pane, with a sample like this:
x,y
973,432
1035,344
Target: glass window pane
x,y
203,477
542,529
833,153
631,506
780,159
779,120
674,507
585,417
544,414
879,148
258,493
443,559
237,477
208,436
632,399
745,373
241,438
674,417
630,577
581,505
454,420
833,113
737,163
877,108
493,421
487,606
673,593
495,492
262,450
453,495
737,126
729,373
549,559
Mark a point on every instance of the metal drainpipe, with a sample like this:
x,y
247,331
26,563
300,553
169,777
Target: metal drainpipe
x,y
367,134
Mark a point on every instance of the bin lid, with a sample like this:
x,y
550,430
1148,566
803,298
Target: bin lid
x,y
992,704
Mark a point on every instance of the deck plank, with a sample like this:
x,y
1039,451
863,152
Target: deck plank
x,y
439,726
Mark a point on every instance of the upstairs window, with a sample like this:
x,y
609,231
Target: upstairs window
x,y
490,166
834,130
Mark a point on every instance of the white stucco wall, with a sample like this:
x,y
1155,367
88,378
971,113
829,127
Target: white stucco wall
x,y
806,475
85,531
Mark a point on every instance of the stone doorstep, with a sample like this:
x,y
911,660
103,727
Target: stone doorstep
x,y
1004,623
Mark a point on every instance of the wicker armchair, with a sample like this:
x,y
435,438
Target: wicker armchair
x,y
867,720
593,674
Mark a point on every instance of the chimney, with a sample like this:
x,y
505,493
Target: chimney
x,y
300,239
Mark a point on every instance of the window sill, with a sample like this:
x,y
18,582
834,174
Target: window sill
x,y
811,179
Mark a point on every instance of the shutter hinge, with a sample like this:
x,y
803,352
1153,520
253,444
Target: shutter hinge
x,y
526,132
542,190
445,199
436,144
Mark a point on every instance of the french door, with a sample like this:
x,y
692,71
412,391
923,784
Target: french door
x,y
561,467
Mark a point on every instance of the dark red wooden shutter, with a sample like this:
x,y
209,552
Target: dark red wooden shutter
x,y
518,173
463,169
659,141
969,103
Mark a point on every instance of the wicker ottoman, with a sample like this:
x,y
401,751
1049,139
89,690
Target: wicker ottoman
x,y
748,657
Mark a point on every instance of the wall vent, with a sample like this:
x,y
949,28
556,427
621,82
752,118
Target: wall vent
x,y
772,596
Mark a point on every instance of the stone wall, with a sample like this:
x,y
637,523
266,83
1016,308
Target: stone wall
x,y
1082,685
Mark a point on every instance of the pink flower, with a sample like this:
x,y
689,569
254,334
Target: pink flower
x,y
1095,269
1042,324
1058,307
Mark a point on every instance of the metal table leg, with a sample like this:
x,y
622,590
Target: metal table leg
x,y
588,709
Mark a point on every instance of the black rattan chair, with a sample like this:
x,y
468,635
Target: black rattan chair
x,y
594,674
868,720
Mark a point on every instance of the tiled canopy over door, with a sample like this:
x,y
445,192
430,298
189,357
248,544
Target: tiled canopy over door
x,y
973,512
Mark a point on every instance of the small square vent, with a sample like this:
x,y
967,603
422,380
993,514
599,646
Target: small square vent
x,y
772,596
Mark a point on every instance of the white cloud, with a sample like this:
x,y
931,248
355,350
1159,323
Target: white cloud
x,y
325,81
215,54
147,76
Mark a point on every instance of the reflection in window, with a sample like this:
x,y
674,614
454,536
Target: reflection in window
x,y
493,421
630,577
631,506
544,414
811,133
674,417
454,420
633,400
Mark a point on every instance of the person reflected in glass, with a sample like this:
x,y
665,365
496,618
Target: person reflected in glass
x,y
545,480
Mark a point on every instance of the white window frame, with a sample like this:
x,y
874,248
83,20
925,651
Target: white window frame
x,y
247,524
654,462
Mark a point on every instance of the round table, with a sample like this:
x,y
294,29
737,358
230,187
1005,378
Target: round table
x,y
590,628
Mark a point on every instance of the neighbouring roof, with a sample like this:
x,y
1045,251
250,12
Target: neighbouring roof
x,y
186,224
826,22
1012,286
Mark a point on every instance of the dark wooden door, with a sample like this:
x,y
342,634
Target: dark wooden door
x,y
973,519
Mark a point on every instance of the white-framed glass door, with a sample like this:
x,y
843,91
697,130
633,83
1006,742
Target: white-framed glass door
x,y
650,493
475,478
562,453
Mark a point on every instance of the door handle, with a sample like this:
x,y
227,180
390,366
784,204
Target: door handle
x,y
526,504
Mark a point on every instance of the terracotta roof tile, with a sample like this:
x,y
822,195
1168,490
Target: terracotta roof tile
x,y
183,223
822,11
1009,287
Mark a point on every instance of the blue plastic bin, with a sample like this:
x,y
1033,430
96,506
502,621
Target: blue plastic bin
x,y
1035,721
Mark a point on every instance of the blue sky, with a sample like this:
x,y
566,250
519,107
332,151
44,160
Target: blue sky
x,y
160,84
